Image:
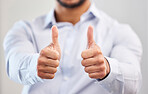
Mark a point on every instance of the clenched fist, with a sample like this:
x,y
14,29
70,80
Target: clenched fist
x,y
48,60
93,60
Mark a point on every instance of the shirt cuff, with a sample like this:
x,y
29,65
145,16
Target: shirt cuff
x,y
33,70
114,76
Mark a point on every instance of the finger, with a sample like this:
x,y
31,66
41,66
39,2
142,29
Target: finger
x,y
89,62
99,75
43,61
98,60
47,69
88,53
55,35
90,36
49,53
94,69
46,75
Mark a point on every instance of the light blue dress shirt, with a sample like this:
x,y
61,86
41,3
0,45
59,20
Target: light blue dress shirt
x,y
118,43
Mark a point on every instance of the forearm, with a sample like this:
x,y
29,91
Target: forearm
x,y
124,78
21,68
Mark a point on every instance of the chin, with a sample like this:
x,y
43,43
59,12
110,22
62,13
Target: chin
x,y
70,2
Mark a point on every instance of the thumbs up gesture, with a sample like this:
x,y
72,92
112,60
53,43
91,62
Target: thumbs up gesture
x,y
93,60
48,60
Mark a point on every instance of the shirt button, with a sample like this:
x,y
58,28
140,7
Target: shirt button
x,y
66,78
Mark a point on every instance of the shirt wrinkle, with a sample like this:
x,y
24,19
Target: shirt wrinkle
x,y
118,47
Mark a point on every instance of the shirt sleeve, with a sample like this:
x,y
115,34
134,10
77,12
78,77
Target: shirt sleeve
x,y
21,56
125,74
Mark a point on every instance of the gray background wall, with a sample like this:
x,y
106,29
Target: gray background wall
x,y
133,12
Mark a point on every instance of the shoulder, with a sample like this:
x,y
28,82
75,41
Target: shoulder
x,y
26,24
118,32
114,26
24,27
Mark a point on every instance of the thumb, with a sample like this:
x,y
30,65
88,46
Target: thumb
x,y
54,35
90,36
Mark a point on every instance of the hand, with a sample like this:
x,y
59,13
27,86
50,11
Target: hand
x,y
93,60
48,60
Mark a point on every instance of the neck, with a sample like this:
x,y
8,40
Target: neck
x,y
71,15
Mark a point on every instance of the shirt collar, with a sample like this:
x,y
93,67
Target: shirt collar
x,y
50,17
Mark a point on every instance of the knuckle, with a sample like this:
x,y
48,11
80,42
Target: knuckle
x,y
43,51
83,62
40,60
38,67
102,68
39,74
102,74
56,63
56,54
97,68
86,69
83,54
51,76
101,60
98,51
54,70
90,75
97,61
